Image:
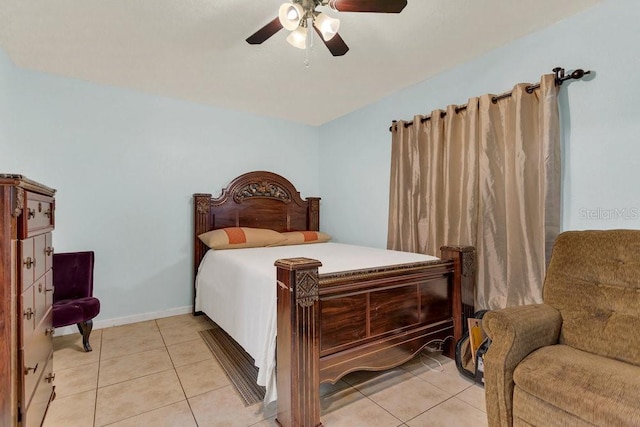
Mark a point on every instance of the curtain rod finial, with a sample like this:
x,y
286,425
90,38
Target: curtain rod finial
x,y
574,75
579,73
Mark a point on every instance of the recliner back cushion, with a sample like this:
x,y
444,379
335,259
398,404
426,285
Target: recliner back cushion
x,y
594,281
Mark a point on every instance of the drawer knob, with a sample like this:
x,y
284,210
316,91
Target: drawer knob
x,y
29,262
49,290
29,313
47,213
49,331
40,287
48,251
31,213
49,378
28,369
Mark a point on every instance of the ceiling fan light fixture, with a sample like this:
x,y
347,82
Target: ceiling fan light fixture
x,y
327,26
298,38
290,15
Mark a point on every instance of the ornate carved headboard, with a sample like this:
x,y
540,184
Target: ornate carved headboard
x,y
256,199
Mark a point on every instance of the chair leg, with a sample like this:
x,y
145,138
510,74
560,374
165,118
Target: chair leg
x,y
85,329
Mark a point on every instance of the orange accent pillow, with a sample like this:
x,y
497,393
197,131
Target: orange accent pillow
x,y
304,237
241,237
235,236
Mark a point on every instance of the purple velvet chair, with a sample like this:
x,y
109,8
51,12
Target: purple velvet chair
x,y
73,300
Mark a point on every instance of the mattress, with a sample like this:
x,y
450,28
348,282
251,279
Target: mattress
x,y
236,288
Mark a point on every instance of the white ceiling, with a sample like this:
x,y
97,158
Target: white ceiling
x,y
196,50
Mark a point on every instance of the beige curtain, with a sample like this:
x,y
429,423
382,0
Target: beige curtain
x,y
487,176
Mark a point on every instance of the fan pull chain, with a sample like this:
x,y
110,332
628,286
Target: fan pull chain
x,y
309,47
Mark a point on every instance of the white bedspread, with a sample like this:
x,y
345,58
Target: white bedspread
x,y
236,288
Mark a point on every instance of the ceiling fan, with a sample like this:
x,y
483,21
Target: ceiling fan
x,y
297,15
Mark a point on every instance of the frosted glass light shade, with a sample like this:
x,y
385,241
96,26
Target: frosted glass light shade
x,y
327,26
298,38
290,15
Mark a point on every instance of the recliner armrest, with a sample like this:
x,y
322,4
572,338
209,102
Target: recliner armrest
x,y
515,332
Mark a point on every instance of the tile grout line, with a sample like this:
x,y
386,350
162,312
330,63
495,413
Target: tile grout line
x,y
104,340
471,384
434,406
184,393
451,395
469,403
95,411
95,403
193,416
383,408
150,410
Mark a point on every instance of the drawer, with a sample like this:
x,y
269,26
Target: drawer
x,y
36,254
28,313
48,288
40,213
28,262
42,396
35,353
40,256
48,252
42,296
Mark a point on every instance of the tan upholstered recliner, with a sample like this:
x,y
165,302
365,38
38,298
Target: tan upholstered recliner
x,y
574,360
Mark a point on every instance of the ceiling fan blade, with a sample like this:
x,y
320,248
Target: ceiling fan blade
x,y
383,6
336,45
265,32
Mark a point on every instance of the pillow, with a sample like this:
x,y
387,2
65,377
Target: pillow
x,y
240,237
304,237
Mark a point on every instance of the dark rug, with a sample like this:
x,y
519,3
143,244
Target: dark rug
x,y
237,364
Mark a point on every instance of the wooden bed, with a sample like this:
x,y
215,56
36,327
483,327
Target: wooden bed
x,y
333,324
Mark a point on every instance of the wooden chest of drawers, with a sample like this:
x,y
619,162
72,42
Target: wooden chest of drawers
x,y
27,211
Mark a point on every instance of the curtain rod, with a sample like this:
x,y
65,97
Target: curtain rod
x,y
560,78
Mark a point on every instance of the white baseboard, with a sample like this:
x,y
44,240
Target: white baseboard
x,y
108,323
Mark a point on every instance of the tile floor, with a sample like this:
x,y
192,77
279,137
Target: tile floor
x,y
161,373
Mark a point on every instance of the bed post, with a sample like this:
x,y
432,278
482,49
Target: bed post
x,y
202,223
463,293
313,214
298,355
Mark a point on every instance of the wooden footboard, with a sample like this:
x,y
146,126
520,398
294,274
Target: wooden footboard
x,y
334,324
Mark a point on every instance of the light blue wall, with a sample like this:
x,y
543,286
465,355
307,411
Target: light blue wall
x,y
601,124
126,164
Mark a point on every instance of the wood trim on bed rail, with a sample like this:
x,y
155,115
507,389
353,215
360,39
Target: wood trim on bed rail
x,y
305,359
